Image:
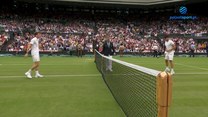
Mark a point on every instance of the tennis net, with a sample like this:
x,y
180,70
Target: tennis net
x,y
133,87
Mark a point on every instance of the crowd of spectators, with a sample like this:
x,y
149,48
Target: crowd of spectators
x,y
64,32
3,38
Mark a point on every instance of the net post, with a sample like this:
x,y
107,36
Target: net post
x,y
163,93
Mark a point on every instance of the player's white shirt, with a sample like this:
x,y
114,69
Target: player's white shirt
x,y
169,45
35,46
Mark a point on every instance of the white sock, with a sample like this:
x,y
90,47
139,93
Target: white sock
x,y
36,72
29,71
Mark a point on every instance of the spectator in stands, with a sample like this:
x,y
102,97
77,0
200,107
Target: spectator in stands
x,y
192,49
79,49
207,48
121,49
155,49
100,46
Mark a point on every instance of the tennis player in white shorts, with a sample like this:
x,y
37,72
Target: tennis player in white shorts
x,y
34,47
169,54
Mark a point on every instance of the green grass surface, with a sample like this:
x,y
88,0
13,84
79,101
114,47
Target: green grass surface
x,y
73,87
190,84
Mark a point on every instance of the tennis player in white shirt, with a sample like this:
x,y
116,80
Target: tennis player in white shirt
x,y
169,54
34,47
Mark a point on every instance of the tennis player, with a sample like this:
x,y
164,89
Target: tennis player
x,y
34,47
169,54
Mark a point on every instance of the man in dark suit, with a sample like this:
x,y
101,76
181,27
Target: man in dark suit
x,y
108,50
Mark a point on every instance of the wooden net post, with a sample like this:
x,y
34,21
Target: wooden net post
x,y
164,93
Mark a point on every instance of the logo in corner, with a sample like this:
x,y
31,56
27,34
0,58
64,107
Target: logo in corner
x,y
183,10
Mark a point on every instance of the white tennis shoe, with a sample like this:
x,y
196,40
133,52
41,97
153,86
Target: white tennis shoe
x,y
28,75
38,76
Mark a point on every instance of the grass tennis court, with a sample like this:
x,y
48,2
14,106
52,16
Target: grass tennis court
x,y
73,87
190,84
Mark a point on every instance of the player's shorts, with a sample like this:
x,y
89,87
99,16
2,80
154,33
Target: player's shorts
x,y
169,55
36,57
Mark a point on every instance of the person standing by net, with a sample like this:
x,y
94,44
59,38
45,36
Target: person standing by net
x,y
169,54
108,50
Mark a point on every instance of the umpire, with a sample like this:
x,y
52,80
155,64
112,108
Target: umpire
x,y
108,50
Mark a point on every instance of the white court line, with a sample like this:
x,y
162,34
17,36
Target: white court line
x,y
84,75
14,64
182,73
96,75
192,73
43,64
192,66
